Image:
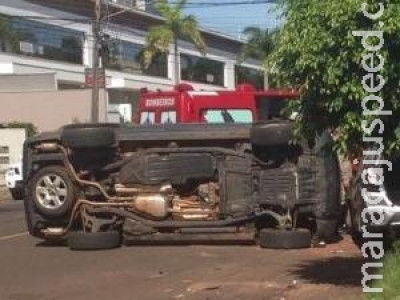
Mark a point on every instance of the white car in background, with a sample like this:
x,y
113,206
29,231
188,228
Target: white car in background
x,y
14,181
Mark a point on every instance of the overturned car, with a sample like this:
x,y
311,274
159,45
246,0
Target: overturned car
x,y
96,185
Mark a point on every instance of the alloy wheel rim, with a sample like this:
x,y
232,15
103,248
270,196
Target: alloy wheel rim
x,y
51,191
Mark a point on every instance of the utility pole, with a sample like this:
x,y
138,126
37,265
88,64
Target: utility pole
x,y
266,79
96,62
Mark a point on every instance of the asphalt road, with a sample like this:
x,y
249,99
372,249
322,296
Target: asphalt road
x,y
30,270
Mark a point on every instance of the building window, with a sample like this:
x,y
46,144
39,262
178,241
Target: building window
x,y
127,57
147,5
30,38
249,75
4,150
200,69
4,160
126,3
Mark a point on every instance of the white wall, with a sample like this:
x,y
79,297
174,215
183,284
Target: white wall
x,y
11,146
51,110
28,82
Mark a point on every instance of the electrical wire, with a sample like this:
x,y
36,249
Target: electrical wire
x,y
219,3
106,24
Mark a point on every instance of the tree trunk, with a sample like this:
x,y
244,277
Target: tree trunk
x,y
176,62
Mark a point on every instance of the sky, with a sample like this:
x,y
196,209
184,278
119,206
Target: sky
x,y
234,18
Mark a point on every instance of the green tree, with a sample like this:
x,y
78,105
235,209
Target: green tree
x,y
260,44
30,128
176,25
318,52
8,38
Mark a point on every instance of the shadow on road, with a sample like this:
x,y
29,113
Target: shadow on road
x,y
51,244
133,243
345,271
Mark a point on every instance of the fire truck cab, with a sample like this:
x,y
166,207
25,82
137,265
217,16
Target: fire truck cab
x,y
184,105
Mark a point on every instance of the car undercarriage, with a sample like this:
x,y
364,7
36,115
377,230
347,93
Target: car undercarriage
x,y
93,184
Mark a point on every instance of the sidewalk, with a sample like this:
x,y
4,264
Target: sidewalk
x,y
4,194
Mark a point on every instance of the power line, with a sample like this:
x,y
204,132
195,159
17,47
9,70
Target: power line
x,y
220,3
89,21
189,4
109,4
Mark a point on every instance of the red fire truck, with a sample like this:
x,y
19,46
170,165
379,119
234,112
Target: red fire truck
x,y
185,105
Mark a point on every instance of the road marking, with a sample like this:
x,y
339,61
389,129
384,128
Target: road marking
x,y
13,236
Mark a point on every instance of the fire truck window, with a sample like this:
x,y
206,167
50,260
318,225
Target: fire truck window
x,y
168,117
147,117
270,108
228,116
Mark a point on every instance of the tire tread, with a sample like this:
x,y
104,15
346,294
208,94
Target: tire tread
x,y
80,240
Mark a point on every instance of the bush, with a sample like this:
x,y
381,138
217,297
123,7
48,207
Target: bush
x,y
30,128
391,278
317,51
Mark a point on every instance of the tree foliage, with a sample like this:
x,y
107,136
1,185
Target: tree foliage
x,y
30,128
8,38
176,25
260,42
318,52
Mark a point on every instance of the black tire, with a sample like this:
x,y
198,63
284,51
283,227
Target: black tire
x,y
80,240
355,207
327,230
17,194
89,136
327,210
272,134
355,229
67,185
284,239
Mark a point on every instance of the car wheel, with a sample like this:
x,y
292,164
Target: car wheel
x,y
52,191
89,136
81,240
17,194
284,239
356,205
327,230
328,209
272,134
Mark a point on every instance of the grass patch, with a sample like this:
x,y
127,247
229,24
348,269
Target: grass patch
x,y
391,278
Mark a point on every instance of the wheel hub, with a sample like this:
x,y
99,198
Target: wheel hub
x,y
51,191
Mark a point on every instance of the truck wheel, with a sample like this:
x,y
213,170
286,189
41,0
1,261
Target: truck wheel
x,y
80,240
272,134
52,191
88,136
285,239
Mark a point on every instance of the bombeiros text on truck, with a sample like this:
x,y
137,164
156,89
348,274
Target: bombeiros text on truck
x,y
184,105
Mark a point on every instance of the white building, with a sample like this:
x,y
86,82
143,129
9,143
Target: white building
x,y
55,37
11,144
